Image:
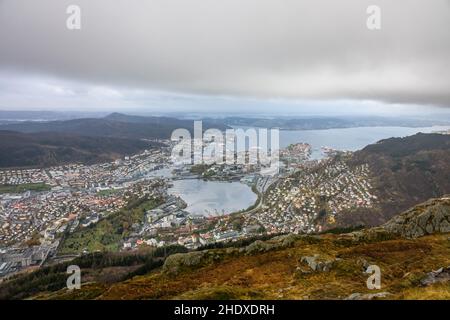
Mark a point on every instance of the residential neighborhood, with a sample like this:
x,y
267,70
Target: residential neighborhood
x,y
57,203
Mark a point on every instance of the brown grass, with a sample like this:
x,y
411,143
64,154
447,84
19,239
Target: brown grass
x,y
274,275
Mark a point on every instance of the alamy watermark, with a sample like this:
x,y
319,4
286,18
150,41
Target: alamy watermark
x,y
374,19
74,280
374,281
257,147
73,22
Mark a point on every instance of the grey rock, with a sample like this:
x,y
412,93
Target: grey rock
x,y
310,261
438,276
430,217
316,263
368,296
258,246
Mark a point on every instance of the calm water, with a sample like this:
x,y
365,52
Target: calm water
x,y
350,139
213,197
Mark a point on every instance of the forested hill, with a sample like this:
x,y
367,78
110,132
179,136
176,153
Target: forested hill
x,y
405,172
48,148
114,125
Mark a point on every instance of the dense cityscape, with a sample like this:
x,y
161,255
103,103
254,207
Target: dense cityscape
x,y
47,213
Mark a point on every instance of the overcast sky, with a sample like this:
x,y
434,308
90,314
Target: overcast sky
x,y
225,55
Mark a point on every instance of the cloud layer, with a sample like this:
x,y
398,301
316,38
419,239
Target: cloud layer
x,y
290,49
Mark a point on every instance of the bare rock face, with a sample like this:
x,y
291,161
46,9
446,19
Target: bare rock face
x,y
430,217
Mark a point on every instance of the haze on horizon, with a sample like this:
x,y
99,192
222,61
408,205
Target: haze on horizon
x,y
252,56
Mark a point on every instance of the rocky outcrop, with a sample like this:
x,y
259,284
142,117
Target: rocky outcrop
x,y
279,242
430,217
439,276
370,235
368,296
317,263
176,262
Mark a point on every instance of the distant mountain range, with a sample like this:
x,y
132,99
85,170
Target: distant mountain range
x,y
23,115
114,125
32,121
318,123
45,149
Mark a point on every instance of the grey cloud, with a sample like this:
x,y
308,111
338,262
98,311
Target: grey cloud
x,y
259,48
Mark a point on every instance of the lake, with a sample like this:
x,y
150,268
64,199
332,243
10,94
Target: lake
x,y
213,197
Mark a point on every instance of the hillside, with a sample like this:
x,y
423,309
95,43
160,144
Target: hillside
x,y
405,171
114,125
48,148
327,266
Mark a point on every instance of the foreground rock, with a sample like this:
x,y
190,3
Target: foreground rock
x,y
317,263
439,276
430,217
368,296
